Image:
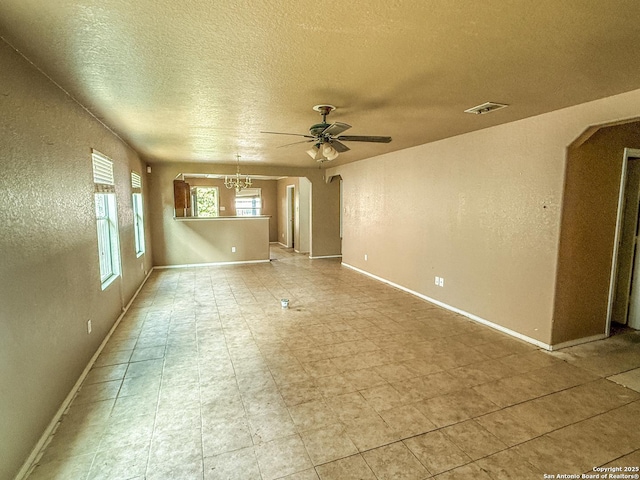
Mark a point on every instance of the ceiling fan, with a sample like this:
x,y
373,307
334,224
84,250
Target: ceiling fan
x,y
327,139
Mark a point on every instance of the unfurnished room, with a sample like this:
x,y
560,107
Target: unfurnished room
x,y
385,240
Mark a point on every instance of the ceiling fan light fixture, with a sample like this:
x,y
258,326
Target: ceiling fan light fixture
x,y
329,152
313,152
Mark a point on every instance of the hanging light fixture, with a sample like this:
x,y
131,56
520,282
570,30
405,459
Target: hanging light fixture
x,y
323,151
236,182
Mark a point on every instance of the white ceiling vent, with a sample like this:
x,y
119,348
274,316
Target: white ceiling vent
x,y
485,108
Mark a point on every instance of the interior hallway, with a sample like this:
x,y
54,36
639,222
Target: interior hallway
x,y
207,377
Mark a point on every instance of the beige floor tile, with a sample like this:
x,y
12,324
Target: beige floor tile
x,y
304,475
512,390
226,435
442,411
469,471
227,372
128,431
321,368
371,432
97,392
328,444
508,465
542,452
598,439
237,464
187,465
351,407
297,393
508,428
561,376
630,379
334,385
407,421
270,426
473,439
106,374
364,378
257,402
603,395
395,462
282,457
395,372
630,460
312,415
121,462
383,397
63,468
436,452
350,468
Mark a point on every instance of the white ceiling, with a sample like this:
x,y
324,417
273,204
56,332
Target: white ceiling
x,y
198,80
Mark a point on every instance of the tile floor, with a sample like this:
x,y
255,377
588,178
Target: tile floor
x,y
208,378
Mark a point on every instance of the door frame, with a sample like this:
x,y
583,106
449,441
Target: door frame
x,y
628,153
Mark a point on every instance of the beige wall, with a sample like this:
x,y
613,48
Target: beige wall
x,y
482,210
49,272
228,199
170,237
588,231
202,240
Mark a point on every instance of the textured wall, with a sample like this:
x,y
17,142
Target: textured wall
x,y
49,272
481,210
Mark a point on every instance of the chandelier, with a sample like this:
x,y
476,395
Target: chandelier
x,y
236,182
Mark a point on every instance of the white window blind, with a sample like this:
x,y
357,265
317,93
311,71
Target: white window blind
x,y
136,181
102,169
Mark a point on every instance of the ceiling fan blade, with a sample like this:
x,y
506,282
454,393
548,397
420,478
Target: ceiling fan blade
x,y
295,143
339,146
295,134
336,128
361,138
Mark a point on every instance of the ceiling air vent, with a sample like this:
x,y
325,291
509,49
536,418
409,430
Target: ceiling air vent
x,y
485,108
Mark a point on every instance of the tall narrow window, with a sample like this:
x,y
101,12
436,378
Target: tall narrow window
x,y
249,202
106,219
138,213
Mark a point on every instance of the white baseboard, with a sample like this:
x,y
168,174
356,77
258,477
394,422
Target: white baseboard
x,y
471,316
37,451
327,256
212,264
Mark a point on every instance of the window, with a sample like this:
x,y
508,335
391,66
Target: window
x,y
204,201
106,219
249,202
138,213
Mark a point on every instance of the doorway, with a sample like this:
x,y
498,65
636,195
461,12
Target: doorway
x,y
291,209
625,298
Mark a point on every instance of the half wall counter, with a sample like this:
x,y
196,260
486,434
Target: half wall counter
x,y
210,240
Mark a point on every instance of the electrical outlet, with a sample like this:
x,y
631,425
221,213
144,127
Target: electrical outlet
x,y
442,281
88,326
437,281
233,249
366,257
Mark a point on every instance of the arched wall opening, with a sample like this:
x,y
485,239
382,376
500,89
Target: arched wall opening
x,y
589,223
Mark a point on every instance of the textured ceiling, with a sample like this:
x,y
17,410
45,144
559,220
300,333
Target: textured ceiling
x,y
197,80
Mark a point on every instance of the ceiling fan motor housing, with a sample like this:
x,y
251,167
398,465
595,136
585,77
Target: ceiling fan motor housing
x,y
318,128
